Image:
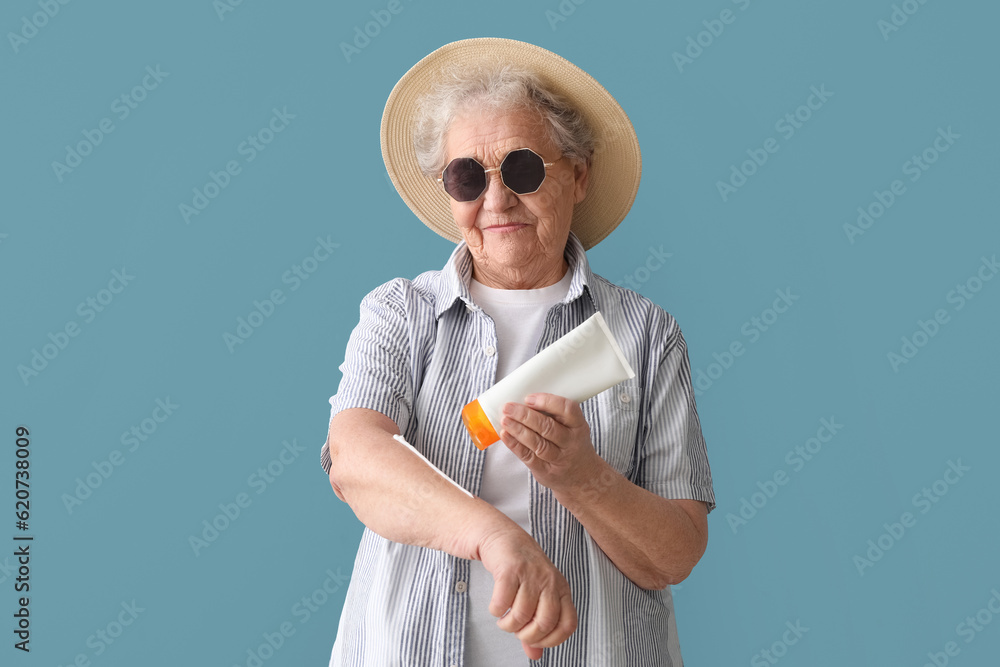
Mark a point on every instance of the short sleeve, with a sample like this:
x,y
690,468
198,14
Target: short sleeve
x,y
376,373
673,461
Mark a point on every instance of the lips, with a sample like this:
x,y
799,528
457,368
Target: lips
x,y
511,226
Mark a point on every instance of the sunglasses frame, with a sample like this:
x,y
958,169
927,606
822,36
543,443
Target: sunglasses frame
x,y
487,172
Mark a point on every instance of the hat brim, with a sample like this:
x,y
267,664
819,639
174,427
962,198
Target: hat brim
x,y
615,169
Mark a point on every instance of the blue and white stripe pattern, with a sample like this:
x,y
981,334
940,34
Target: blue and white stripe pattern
x,y
421,351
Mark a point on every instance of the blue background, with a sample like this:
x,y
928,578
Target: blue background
x,y
794,560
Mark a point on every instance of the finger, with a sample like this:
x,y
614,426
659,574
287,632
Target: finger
x,y
532,652
504,591
521,611
519,449
531,439
566,626
565,411
546,619
538,431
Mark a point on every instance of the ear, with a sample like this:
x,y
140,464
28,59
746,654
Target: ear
x,y
581,176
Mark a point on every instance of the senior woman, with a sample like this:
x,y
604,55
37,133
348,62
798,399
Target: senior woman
x,y
587,512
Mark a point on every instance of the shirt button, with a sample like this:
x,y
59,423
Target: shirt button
x,y
624,398
490,350
461,587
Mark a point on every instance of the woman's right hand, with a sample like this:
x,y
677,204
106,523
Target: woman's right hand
x,y
530,595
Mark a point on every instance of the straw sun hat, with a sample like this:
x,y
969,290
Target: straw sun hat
x,y
615,168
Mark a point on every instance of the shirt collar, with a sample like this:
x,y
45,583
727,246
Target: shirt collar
x,y
457,274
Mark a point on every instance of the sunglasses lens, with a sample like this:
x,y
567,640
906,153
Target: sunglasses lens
x,y
523,171
464,179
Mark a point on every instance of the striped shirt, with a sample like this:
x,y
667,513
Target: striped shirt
x,y
421,351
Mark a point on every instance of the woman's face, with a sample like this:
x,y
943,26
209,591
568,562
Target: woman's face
x,y
516,241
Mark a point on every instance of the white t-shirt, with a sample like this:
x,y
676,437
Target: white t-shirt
x,y
519,316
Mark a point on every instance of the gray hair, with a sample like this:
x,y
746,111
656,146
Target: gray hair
x,y
500,88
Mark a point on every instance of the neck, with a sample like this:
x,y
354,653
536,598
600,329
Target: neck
x,y
526,278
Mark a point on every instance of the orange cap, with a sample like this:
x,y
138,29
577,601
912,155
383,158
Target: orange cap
x,y
478,425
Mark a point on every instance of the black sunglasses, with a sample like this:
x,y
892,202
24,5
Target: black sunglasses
x,y
522,171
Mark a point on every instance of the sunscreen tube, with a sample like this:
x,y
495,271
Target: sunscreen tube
x,y
581,364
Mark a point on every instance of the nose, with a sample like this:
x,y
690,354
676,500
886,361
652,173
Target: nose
x,y
498,197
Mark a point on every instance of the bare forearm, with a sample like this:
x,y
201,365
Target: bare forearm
x,y
652,540
398,496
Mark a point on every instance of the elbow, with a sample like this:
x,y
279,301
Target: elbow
x,y
673,578
673,573
336,486
352,434
660,579
336,475
674,557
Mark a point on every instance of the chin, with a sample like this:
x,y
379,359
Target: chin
x,y
508,252
515,244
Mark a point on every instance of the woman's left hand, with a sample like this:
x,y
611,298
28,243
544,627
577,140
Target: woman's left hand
x,y
551,435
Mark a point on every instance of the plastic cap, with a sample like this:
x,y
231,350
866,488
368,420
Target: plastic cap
x,y
478,425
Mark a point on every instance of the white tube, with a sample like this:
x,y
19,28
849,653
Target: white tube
x,y
581,364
